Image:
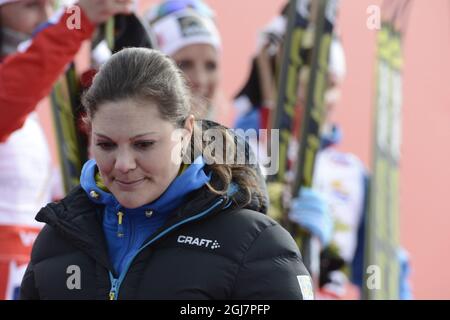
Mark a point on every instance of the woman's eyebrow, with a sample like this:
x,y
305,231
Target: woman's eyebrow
x,y
102,136
136,136
144,134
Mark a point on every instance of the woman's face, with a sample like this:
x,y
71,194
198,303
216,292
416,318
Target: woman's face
x,y
25,15
200,63
137,152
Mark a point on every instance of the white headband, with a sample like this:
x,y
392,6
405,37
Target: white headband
x,y
182,28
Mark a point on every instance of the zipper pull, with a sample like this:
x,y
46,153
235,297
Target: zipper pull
x,y
120,233
112,293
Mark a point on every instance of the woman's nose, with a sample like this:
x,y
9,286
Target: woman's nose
x,y
125,162
199,81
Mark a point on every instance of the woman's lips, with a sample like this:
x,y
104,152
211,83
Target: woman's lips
x,y
129,184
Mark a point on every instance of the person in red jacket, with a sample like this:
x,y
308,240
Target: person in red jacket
x,y
34,51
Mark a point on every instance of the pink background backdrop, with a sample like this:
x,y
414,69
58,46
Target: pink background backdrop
x,y
425,213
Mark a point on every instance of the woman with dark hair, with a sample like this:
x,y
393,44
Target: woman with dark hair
x,y
161,212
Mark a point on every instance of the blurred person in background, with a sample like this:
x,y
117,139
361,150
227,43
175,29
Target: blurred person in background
x,y
334,209
34,50
186,31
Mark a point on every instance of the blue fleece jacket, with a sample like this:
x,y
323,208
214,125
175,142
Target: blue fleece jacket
x,y
136,226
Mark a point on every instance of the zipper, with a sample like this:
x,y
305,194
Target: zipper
x,y
120,232
113,291
116,282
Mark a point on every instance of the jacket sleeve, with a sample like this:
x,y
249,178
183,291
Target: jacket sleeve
x,y
273,269
27,77
28,289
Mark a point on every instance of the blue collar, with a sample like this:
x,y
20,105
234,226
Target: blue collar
x,y
193,178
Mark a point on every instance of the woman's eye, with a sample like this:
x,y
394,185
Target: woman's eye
x,y
144,144
185,64
106,145
211,66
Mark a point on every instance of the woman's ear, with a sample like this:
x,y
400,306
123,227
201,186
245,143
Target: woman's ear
x,y
189,127
86,125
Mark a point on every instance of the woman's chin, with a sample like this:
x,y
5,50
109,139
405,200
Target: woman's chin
x,y
133,201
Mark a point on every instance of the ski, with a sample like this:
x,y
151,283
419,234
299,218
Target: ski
x,y
292,61
382,225
295,53
323,19
72,144
306,20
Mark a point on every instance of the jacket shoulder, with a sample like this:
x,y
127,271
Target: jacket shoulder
x,y
59,217
269,237
271,266
49,244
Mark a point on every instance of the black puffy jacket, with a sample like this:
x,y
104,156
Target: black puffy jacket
x,y
212,247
